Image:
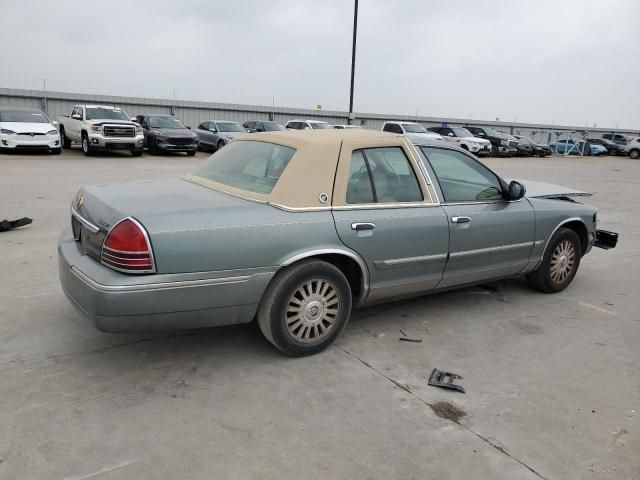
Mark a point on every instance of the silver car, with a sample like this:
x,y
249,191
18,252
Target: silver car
x,y
215,134
294,228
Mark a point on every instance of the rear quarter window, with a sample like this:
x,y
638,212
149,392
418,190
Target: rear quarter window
x,y
252,166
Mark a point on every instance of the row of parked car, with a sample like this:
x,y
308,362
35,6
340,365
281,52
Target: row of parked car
x,y
99,127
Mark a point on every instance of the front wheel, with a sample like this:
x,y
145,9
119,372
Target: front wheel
x,y
220,145
66,141
635,154
136,152
191,153
305,307
86,147
494,150
559,264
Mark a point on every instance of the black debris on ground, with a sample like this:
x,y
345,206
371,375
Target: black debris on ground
x,y
6,225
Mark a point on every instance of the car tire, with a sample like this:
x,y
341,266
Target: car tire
x,y
635,154
299,302
559,264
56,151
64,140
136,152
219,145
153,150
86,146
494,150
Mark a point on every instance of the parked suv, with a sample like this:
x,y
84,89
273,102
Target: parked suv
x,y
101,127
414,131
500,144
253,126
307,124
616,138
541,149
215,134
463,138
27,129
165,133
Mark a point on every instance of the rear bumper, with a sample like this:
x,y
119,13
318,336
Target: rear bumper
x,y
117,302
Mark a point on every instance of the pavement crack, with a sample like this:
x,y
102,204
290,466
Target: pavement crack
x,y
466,427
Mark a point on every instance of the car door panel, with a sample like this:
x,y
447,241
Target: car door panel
x,y
490,237
405,252
387,214
495,242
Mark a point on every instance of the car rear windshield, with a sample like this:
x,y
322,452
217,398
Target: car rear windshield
x,y
165,122
462,132
230,127
101,113
252,166
23,117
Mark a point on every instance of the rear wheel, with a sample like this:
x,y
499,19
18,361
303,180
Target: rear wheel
x,y
635,153
305,307
559,264
66,142
86,146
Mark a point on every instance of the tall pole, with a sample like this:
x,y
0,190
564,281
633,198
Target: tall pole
x,y
353,59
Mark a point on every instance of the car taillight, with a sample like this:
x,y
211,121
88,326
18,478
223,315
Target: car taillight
x,y
126,248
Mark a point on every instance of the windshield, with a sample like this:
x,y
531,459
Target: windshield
x,y
165,122
19,116
462,132
319,125
493,133
252,166
230,127
102,113
272,126
414,128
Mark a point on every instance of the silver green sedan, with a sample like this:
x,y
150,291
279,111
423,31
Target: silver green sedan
x,y
295,228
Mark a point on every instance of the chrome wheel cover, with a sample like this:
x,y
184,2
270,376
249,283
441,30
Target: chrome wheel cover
x,y
312,311
563,261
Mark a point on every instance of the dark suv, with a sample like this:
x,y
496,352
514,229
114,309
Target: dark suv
x,y
500,144
613,148
165,133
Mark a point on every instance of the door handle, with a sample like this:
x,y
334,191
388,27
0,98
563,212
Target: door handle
x,y
362,226
460,219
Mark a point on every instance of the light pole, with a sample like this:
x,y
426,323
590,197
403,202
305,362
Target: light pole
x,y
353,60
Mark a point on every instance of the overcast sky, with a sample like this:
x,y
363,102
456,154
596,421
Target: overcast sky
x,y
571,62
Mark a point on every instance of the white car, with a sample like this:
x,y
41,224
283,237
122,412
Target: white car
x,y
27,129
307,125
414,131
633,148
464,139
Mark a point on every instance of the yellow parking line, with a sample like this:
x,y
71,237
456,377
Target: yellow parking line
x,y
603,310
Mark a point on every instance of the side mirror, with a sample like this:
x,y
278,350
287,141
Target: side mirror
x,y
189,127
213,130
76,117
450,134
516,190
134,119
55,124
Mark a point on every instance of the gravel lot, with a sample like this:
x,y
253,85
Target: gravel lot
x,y
553,381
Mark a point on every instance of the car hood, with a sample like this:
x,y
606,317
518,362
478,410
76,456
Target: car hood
x,y
176,132
551,190
99,121
161,205
24,127
476,139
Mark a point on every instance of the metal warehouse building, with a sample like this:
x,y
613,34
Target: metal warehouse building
x,y
193,113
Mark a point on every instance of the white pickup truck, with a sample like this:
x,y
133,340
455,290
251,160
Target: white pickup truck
x,y
101,127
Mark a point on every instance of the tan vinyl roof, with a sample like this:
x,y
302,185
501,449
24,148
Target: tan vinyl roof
x,y
312,169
